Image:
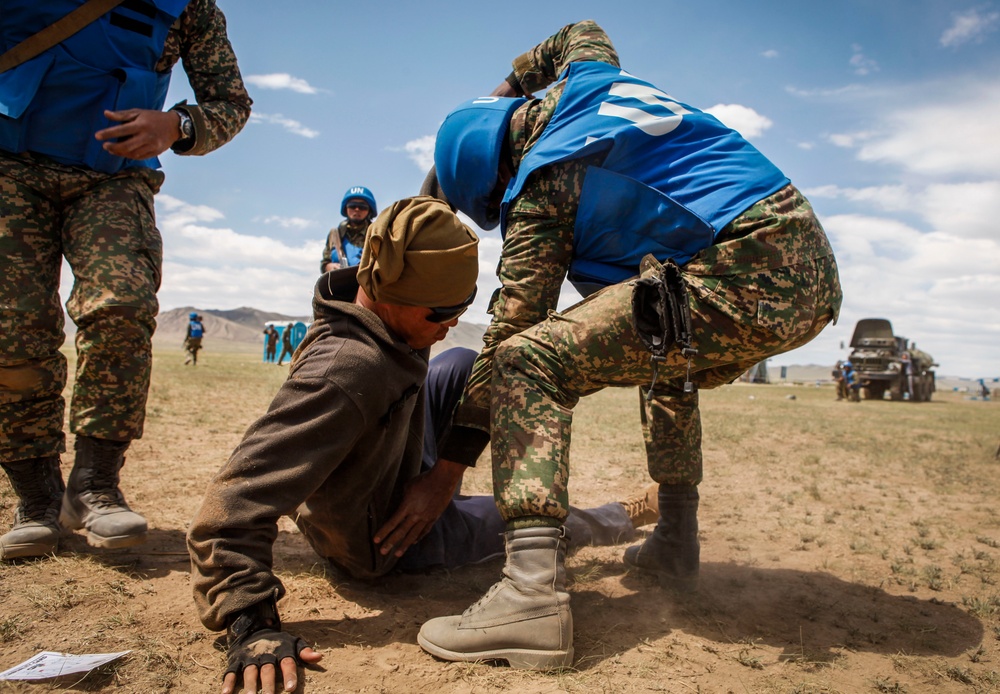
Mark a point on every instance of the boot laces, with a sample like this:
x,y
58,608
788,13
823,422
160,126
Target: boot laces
x,y
644,508
487,596
35,513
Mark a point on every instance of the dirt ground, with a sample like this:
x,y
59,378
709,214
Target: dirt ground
x,y
845,548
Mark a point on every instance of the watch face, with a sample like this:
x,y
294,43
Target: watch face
x,y
187,125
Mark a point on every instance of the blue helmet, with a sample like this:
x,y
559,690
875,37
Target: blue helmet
x,y
192,316
359,193
467,154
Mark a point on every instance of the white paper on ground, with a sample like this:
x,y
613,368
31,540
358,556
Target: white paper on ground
x,y
47,664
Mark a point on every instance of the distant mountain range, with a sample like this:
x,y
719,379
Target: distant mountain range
x,y
245,326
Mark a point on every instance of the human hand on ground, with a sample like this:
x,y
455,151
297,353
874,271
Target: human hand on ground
x,y
258,656
425,499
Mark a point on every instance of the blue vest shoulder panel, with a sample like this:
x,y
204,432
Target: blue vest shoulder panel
x,y
196,329
671,178
54,103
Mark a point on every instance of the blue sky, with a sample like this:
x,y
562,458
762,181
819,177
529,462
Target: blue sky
x,y
884,113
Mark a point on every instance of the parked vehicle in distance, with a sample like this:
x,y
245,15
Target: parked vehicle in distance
x,y
889,363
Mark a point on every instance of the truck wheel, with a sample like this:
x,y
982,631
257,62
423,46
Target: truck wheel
x,y
875,391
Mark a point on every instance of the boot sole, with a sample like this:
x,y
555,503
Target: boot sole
x,y
70,523
517,658
115,542
26,551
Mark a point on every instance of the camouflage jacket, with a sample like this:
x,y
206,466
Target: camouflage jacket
x,y
198,39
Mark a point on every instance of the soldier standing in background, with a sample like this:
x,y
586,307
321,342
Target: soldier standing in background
x,y
271,346
78,170
605,179
345,241
192,340
286,343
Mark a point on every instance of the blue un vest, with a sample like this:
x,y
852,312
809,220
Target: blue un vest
x,y
672,178
54,103
352,252
196,329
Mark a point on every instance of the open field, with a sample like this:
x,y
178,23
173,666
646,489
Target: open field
x,y
846,547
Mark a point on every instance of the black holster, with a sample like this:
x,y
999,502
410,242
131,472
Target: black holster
x,y
661,314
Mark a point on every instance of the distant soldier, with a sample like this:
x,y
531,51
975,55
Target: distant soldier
x,y
850,382
838,380
192,341
286,343
271,343
344,242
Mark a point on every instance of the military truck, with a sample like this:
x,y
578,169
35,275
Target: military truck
x,y
888,363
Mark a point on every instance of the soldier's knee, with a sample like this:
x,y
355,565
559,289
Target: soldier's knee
x,y
126,321
513,355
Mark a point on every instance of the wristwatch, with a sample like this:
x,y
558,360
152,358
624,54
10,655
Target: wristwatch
x,y
187,127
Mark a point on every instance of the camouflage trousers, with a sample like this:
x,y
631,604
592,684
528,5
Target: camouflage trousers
x,y
104,226
769,285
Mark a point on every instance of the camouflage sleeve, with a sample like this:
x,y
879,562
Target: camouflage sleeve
x,y
536,254
542,65
327,249
200,42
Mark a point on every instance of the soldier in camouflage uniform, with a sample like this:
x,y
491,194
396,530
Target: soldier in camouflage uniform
x,y
82,126
698,259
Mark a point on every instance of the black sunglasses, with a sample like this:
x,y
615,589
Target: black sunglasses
x,y
357,206
448,313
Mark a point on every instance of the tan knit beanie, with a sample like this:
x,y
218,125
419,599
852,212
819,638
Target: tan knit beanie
x,y
418,253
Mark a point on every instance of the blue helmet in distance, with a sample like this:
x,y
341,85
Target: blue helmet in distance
x,y
192,316
467,154
359,193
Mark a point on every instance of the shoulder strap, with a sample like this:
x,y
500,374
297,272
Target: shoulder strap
x,y
338,245
58,31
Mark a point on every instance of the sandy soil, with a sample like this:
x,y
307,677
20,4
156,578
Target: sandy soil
x,y
845,548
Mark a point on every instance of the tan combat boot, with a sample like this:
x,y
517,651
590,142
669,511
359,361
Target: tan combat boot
x,y
93,500
524,618
39,486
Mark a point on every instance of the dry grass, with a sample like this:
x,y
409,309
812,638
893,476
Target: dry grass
x,y
846,548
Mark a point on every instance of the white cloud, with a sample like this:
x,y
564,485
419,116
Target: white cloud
x,y
953,132
743,119
965,210
962,210
890,197
969,26
849,140
862,64
281,80
292,126
204,262
289,222
770,53
421,152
